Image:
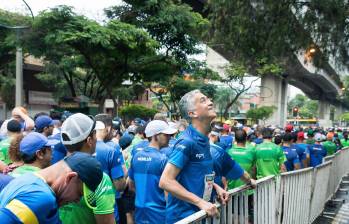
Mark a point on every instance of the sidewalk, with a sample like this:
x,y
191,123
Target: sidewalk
x,y
337,211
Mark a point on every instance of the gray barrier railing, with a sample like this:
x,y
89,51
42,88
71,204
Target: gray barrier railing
x,y
293,197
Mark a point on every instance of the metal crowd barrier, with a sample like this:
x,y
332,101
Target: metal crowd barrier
x,y
293,197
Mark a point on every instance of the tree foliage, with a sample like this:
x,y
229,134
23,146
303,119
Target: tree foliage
x,y
134,110
307,108
260,113
265,32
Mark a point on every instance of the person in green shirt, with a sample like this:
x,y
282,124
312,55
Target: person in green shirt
x,y
329,145
244,155
80,212
310,135
35,151
345,140
269,157
85,142
13,129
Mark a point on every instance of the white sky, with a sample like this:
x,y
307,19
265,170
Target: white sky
x,y
90,8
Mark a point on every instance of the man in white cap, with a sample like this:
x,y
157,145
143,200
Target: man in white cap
x,y
145,172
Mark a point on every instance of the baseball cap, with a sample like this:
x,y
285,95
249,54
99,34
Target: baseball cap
x,y
300,135
318,137
228,122
77,128
158,127
35,141
99,125
87,167
43,121
14,126
125,141
289,128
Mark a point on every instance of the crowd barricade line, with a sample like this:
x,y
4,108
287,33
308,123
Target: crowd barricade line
x,y
293,197
319,193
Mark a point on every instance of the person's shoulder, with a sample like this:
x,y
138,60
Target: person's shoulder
x,y
183,143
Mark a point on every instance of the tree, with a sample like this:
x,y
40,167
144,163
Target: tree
x,y
307,108
170,92
274,30
133,111
260,113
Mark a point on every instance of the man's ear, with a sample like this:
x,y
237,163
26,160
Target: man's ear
x,y
192,114
39,154
70,176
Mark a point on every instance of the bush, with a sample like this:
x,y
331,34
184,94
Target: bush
x,y
135,110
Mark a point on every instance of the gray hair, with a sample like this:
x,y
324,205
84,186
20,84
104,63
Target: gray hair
x,y
186,104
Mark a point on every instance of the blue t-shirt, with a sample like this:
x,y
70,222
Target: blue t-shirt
x,y
317,152
58,151
191,154
226,141
121,158
146,169
223,165
291,156
139,147
258,141
4,180
28,199
302,151
110,160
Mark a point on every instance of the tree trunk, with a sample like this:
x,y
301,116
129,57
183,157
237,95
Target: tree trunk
x,y
227,107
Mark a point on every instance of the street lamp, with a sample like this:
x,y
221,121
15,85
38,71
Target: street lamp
x,y
19,64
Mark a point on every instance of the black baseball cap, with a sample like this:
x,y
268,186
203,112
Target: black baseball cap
x,y
87,167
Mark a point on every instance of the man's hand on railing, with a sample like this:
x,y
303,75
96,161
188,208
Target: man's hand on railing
x,y
208,207
253,183
222,194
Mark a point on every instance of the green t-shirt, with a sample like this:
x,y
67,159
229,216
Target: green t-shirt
x,y
73,213
269,157
23,170
246,158
345,143
4,146
330,147
310,141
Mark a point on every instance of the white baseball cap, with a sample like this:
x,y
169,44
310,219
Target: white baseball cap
x,y
158,127
77,128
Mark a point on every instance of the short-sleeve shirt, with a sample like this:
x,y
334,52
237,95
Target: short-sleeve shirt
x,y
302,151
191,154
23,170
291,156
330,147
28,199
4,180
269,157
4,146
226,141
111,164
224,165
345,143
317,152
77,212
146,169
246,158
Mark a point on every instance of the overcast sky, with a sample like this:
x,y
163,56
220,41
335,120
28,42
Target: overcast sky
x,y
90,8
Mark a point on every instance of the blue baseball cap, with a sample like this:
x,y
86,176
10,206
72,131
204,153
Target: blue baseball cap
x,y
35,141
43,121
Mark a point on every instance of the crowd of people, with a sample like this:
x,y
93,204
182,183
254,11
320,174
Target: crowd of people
x,y
74,168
